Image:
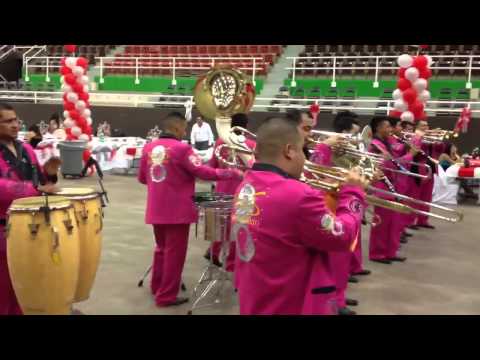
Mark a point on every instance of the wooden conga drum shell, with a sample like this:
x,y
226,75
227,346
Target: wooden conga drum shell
x,y
43,266
88,211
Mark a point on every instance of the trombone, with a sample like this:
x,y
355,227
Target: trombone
x,y
377,159
432,136
339,174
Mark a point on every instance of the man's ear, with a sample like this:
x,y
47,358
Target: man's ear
x,y
288,151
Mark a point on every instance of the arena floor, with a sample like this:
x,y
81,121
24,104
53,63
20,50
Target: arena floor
x,y
439,277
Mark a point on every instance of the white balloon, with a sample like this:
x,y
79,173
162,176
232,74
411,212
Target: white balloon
x,y
424,95
84,137
405,61
400,105
78,71
89,121
85,88
71,62
62,79
407,116
397,94
84,80
87,113
66,114
80,105
68,123
76,131
420,85
72,97
412,74
66,88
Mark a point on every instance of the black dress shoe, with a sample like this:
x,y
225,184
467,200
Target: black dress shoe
x,y
215,260
346,311
427,226
363,272
406,234
353,280
403,240
178,301
398,258
381,261
352,302
413,227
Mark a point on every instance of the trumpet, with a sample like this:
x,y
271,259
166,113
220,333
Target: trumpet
x,y
339,175
420,151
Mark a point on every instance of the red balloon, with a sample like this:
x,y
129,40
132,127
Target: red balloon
x,y
65,70
423,116
81,61
401,73
78,88
404,84
86,155
395,113
88,131
420,62
68,131
70,79
423,46
425,73
74,114
84,96
68,105
81,122
416,108
409,95
70,48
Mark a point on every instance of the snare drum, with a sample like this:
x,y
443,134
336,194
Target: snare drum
x,y
89,215
43,254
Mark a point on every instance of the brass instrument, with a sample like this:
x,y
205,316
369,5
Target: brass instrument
x,y
351,156
222,92
432,136
339,174
420,151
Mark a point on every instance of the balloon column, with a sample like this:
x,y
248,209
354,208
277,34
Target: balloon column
x,y
78,121
314,111
463,121
412,92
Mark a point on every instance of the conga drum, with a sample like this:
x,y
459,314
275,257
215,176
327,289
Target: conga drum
x,y
89,215
43,254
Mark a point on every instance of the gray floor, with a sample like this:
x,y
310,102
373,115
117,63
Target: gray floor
x,y
440,276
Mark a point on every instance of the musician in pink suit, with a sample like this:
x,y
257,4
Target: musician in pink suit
x,y
284,231
227,187
20,176
169,167
384,237
426,188
403,183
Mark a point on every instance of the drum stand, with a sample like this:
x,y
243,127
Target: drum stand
x,y
214,275
140,283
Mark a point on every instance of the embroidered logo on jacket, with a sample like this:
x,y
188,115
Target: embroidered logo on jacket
x,y
158,156
355,206
195,160
329,224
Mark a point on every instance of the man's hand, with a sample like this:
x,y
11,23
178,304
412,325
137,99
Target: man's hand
x,y
48,188
52,165
354,177
378,175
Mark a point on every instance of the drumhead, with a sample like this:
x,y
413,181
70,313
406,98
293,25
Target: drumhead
x,y
78,193
36,202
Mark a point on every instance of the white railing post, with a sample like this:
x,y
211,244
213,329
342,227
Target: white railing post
x,y
101,71
47,78
253,73
468,85
137,80
174,80
334,83
388,107
375,83
293,83
27,78
35,97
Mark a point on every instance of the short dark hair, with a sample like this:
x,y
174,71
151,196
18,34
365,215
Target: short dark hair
x,y
344,121
240,120
5,106
405,123
376,121
35,129
393,121
173,118
296,115
272,136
